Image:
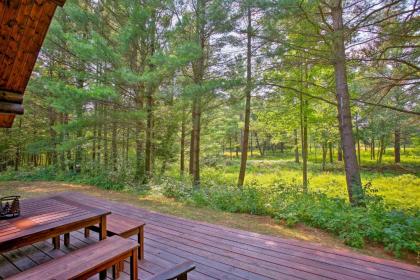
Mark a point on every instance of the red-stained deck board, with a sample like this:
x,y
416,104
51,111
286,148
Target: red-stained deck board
x,y
220,252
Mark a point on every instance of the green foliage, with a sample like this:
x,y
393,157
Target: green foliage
x,y
398,231
102,180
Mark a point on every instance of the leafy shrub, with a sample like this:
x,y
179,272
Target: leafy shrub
x,y
398,231
102,180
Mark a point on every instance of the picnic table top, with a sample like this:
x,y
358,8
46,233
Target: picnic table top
x,y
42,217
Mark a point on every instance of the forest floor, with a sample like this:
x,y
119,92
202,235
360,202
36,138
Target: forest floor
x,y
161,204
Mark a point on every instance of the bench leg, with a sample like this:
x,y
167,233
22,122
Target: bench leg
x,y
116,271
56,242
102,236
140,237
183,276
87,233
67,239
133,266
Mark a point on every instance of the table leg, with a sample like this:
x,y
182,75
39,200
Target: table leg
x,y
102,236
102,228
87,233
67,239
141,242
56,242
133,265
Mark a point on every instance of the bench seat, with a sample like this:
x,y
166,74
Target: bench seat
x,y
86,262
178,272
124,227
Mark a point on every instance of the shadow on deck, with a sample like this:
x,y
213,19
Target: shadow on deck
x,y
219,252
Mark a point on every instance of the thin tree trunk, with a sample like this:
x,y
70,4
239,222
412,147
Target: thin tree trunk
x,y
358,139
354,184
149,131
324,155
397,145
339,152
114,151
182,156
304,135
230,148
195,142
330,148
244,154
295,132
373,149
258,145
381,149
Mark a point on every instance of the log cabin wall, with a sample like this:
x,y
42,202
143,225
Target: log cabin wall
x,y
23,27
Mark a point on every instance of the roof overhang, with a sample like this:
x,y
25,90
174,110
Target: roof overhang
x,y
23,27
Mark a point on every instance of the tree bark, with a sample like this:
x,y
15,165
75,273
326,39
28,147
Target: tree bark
x,y
295,132
304,135
324,155
339,152
353,180
397,145
182,155
358,139
244,154
114,152
330,148
258,145
149,131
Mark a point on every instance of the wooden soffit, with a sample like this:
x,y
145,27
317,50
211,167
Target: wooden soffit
x,y
23,27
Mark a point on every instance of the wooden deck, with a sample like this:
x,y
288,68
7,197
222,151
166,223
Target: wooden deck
x,y
220,252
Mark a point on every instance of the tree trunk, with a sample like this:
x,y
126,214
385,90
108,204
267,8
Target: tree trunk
x,y
381,149
114,152
324,155
258,145
53,135
397,145
244,154
182,155
295,132
358,139
339,152
354,184
195,142
95,133
230,148
373,148
149,131
106,156
304,135
251,148
139,174
330,148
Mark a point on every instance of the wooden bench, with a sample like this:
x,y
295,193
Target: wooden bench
x,y
124,227
115,225
179,272
86,262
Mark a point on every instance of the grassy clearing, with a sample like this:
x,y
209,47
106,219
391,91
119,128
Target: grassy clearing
x,y
399,184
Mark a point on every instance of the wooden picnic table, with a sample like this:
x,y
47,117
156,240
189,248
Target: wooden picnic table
x,y
49,217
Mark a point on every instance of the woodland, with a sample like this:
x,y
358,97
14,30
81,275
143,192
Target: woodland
x,y
305,111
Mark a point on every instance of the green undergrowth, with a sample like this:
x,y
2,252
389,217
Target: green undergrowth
x,y
103,180
398,231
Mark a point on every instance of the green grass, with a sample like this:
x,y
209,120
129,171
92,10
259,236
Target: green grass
x,y
399,185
